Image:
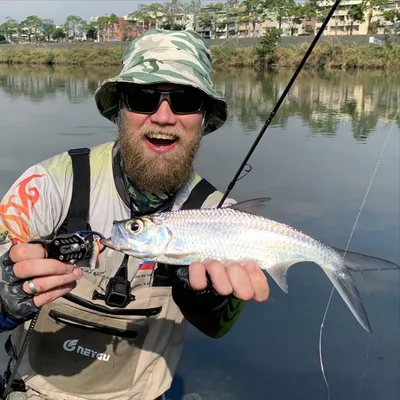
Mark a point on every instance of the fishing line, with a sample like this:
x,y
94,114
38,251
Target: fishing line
x,y
380,158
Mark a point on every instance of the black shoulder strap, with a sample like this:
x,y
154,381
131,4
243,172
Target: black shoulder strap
x,y
78,213
199,195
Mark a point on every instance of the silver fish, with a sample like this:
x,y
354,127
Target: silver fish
x,y
238,233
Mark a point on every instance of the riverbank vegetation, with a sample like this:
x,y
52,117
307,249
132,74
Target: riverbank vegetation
x,y
325,56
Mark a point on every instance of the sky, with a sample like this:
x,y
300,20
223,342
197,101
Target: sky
x,y
59,9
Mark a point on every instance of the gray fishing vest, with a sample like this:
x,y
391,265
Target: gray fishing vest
x,y
82,348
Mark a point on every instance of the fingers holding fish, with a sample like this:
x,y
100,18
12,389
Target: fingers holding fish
x,y
197,276
245,281
217,273
242,287
258,280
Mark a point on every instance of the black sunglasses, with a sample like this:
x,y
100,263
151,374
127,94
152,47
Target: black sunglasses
x,y
147,100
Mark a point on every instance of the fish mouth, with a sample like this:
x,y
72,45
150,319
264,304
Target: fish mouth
x,y
110,244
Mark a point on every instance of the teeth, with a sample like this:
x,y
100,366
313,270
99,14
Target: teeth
x,y
161,136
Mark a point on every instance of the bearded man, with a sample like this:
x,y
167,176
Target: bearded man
x,y
116,330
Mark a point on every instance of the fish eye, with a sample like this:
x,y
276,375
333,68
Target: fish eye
x,y
134,226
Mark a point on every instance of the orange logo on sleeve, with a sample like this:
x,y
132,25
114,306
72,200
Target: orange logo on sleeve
x,y
15,212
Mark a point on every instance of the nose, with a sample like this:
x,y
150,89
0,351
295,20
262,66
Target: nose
x,y
164,115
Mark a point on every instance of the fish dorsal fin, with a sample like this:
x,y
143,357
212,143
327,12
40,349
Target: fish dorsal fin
x,y
278,273
252,206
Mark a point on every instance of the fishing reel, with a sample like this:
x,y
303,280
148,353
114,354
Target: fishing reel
x,y
70,247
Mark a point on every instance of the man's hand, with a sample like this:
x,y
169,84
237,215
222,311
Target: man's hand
x,y
51,279
244,280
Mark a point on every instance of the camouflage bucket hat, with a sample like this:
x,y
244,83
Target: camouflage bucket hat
x,y
161,56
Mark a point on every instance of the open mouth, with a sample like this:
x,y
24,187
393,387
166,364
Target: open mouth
x,y
110,244
160,142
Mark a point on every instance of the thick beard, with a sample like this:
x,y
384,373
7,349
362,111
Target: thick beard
x,y
154,172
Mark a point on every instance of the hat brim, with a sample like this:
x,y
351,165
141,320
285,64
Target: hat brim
x,y
107,97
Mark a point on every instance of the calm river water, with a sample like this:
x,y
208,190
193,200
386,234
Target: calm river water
x,y
315,162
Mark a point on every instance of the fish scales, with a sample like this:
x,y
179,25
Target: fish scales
x,y
233,235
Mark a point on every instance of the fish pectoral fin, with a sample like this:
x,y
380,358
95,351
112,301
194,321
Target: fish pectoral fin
x,y
278,273
252,206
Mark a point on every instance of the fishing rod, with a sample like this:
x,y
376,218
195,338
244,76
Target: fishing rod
x,y
278,104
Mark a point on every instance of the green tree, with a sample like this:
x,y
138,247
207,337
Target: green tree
x,y
276,9
391,32
112,21
59,34
213,18
31,25
73,25
154,10
190,10
313,10
373,6
357,14
295,13
141,19
9,27
48,28
255,12
147,15
170,24
102,25
91,30
180,13
392,16
244,19
266,51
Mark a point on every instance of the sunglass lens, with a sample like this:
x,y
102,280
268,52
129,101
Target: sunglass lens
x,y
186,101
142,101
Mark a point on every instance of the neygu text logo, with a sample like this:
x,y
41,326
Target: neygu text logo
x,y
15,211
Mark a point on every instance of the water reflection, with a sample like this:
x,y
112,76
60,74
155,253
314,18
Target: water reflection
x,y
43,83
322,101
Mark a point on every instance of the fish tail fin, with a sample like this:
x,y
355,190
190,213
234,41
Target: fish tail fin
x,y
345,285
358,262
344,282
